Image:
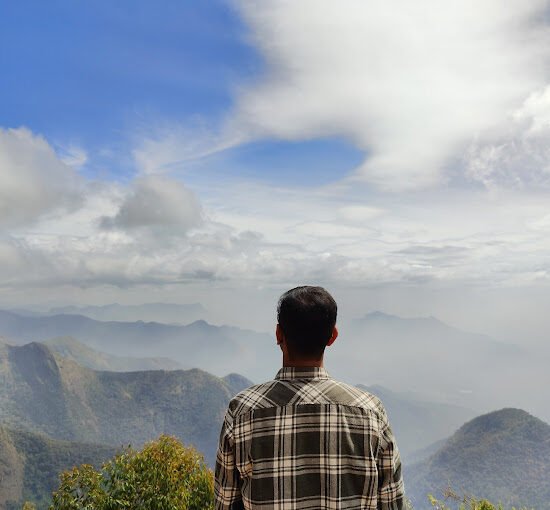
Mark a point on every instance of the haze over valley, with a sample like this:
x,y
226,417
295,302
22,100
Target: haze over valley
x,y
429,358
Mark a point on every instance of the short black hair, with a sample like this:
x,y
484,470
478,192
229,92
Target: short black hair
x,y
307,316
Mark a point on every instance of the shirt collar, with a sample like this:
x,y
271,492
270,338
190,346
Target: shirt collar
x,y
302,373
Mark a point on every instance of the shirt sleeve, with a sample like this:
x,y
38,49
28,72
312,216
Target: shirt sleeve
x,y
391,491
227,480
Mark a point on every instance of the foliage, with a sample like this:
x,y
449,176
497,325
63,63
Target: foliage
x,y
29,506
164,475
464,502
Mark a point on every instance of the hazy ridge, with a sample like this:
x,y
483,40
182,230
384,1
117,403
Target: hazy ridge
x,y
70,348
428,357
217,349
170,313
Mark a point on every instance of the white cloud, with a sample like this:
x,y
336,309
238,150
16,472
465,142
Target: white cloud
x,y
33,180
158,204
517,155
359,213
536,111
411,83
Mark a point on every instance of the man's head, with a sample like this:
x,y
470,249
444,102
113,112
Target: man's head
x,y
306,318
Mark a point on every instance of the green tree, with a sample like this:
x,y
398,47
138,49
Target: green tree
x,y
164,475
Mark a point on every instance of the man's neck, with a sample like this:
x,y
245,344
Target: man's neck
x,y
303,363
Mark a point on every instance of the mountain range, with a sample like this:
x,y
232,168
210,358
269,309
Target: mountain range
x,y
169,313
440,362
45,393
216,349
502,455
422,356
48,390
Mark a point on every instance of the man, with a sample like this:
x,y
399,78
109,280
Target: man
x,y
305,441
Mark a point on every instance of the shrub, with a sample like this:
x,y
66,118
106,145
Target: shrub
x,y
463,502
164,475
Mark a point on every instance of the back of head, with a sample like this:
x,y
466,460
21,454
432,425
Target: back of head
x,y
307,316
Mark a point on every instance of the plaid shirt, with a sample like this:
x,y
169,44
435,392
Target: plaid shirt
x,y
307,442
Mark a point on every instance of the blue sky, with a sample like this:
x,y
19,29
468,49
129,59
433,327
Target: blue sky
x,y
183,148
87,75
89,69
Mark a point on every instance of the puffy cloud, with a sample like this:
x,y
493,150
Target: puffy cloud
x,y
158,204
411,83
33,180
519,154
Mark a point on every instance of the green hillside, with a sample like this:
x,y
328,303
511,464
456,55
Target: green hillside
x,y
503,456
64,400
30,465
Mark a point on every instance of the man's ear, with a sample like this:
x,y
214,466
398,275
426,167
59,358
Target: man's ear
x,y
333,336
279,334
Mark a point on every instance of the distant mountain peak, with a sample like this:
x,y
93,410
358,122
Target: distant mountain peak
x,y
503,420
379,315
201,324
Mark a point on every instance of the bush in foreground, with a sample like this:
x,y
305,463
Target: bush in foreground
x,y
464,502
164,475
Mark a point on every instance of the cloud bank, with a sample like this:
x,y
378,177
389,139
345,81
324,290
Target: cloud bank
x,y
430,91
413,84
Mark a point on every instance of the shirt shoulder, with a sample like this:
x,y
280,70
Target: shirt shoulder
x,y
268,394
278,393
357,397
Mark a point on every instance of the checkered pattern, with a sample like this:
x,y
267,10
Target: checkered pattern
x,y
307,442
